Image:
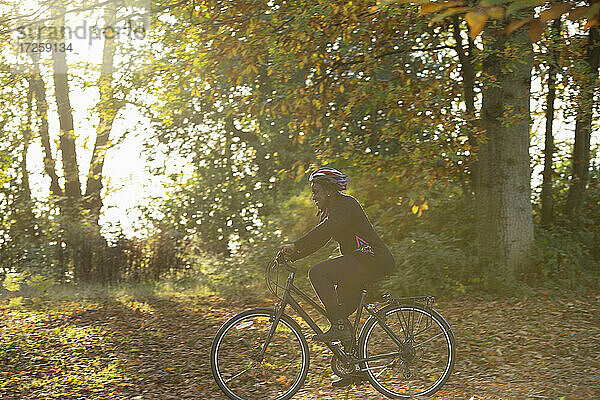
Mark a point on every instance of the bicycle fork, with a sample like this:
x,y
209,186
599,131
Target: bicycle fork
x,y
279,309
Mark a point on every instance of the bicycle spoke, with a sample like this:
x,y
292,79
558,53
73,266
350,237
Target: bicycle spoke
x,y
383,369
421,365
431,338
237,369
238,374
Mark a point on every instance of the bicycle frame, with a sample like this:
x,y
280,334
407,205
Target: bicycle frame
x,y
336,349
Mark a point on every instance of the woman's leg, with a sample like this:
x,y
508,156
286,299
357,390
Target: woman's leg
x,y
349,290
349,275
323,279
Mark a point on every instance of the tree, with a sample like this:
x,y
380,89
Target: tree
x,y
553,67
68,150
107,109
357,86
78,212
504,214
583,125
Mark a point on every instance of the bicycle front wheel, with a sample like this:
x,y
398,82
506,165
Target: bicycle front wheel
x,y
235,357
410,353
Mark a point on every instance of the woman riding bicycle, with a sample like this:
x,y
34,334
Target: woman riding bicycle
x,y
364,259
405,348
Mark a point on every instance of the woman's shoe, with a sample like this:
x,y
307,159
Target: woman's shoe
x,y
353,379
339,330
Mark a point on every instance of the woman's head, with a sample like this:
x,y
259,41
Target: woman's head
x,y
326,182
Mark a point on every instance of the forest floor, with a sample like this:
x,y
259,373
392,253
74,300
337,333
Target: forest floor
x,y
158,348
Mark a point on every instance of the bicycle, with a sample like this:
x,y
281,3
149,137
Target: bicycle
x,y
405,347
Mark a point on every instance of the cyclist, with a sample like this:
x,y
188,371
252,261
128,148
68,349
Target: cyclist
x,y
365,258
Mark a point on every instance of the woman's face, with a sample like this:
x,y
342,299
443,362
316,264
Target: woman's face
x,y
319,195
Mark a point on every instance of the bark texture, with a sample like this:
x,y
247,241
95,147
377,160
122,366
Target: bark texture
x,y
503,205
107,110
547,199
70,203
583,127
65,117
39,92
26,217
468,75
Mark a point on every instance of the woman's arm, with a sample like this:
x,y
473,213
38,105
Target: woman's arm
x,y
337,219
312,241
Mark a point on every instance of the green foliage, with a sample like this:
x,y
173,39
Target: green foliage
x,y
26,284
430,264
254,94
5,159
564,258
13,281
40,283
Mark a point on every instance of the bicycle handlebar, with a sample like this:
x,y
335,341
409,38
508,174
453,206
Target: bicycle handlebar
x,y
282,259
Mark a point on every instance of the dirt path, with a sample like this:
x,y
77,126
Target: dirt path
x,y
158,349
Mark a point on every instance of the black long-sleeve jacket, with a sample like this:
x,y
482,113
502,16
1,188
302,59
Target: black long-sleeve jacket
x,y
346,222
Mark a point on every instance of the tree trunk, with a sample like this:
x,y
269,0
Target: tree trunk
x,y
107,109
468,76
65,117
27,219
39,90
583,128
70,206
503,206
547,200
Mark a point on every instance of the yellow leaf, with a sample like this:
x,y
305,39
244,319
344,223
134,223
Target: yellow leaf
x,y
590,23
435,7
495,12
415,209
555,11
578,13
448,13
536,28
425,206
341,88
513,26
476,21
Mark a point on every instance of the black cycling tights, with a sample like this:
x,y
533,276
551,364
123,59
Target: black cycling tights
x,y
350,275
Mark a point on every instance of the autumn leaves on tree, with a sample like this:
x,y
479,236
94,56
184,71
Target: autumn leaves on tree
x,y
419,96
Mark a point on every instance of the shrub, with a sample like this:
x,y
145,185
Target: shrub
x,y
428,263
563,258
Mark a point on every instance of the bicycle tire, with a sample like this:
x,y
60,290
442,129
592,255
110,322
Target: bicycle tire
x,y
435,366
242,336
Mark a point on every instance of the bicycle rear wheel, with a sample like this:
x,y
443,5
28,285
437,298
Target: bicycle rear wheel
x,y
423,360
236,348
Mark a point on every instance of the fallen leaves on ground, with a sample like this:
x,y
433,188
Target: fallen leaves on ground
x,y
542,348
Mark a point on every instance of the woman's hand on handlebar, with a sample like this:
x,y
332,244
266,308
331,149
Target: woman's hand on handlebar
x,y
285,251
288,249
